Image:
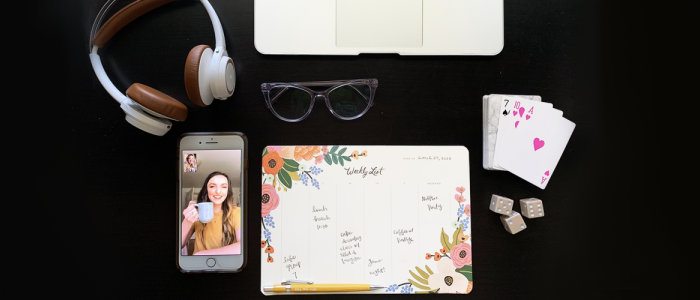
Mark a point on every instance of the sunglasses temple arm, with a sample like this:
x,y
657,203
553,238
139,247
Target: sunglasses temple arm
x,y
361,94
273,99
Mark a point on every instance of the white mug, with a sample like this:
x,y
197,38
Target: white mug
x,y
206,211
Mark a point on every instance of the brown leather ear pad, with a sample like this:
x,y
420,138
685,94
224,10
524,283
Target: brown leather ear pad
x,y
157,101
124,17
192,74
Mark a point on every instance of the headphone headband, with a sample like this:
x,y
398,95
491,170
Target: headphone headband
x,y
123,17
136,9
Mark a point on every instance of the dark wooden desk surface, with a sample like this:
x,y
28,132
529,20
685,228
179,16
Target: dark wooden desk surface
x,y
585,247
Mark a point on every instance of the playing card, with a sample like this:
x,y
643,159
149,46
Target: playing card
x,y
491,105
516,115
485,130
533,153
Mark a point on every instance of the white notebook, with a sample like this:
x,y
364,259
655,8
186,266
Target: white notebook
x,y
393,216
406,27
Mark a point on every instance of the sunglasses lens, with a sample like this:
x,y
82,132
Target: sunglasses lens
x,y
289,102
350,100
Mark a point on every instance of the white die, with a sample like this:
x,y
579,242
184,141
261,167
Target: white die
x,y
513,223
501,205
532,208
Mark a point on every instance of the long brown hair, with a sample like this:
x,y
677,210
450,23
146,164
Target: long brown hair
x,y
229,236
189,165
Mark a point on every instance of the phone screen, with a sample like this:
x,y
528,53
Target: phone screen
x,y
210,205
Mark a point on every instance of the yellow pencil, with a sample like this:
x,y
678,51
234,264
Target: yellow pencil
x,y
309,287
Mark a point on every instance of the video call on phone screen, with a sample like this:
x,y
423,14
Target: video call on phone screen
x,y
211,202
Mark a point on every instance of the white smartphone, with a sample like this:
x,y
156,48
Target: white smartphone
x,y
211,205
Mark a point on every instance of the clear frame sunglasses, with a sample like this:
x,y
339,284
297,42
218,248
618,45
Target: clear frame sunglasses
x,y
346,99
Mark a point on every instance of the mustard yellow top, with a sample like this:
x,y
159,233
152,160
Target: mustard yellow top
x,y
214,230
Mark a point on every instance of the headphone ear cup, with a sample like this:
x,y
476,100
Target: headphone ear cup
x,y
156,102
144,121
196,75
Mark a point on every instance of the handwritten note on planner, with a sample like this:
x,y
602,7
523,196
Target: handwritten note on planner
x,y
393,216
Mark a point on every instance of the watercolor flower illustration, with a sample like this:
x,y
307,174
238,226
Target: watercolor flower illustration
x,y
277,149
461,237
272,163
464,209
305,153
284,151
447,279
461,255
270,199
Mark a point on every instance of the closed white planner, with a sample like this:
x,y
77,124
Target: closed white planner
x,y
397,217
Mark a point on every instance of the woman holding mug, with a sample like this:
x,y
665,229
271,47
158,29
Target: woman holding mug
x,y
221,235
190,163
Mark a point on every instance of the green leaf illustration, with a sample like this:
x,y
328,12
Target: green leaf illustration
x,y
342,151
346,158
327,158
290,165
466,271
294,176
284,178
341,161
420,286
429,270
265,152
418,278
445,240
435,291
335,159
333,149
422,273
454,235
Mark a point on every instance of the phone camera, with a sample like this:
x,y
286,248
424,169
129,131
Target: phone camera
x,y
200,142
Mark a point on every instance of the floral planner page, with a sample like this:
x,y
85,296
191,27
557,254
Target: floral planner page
x,y
392,216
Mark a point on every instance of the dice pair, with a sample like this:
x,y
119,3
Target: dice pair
x,y
511,219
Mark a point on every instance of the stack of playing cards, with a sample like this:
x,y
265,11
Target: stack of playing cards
x,y
524,136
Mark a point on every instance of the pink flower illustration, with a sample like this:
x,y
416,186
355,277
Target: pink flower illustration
x,y
461,255
270,200
324,149
277,149
287,152
460,198
460,189
319,159
467,210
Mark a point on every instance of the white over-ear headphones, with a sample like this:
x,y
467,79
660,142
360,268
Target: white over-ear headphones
x,y
209,73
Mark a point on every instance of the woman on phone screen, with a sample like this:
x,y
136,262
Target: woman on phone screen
x,y
221,235
190,163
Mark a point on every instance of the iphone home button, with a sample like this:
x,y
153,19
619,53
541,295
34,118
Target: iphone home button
x,y
211,262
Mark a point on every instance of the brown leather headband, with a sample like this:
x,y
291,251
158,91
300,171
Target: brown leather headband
x,y
124,17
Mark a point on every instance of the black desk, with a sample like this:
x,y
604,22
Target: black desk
x,y
127,177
